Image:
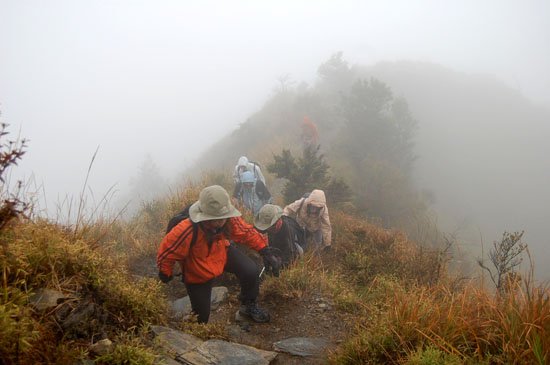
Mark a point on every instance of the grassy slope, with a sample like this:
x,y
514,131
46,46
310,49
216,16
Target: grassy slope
x,y
399,302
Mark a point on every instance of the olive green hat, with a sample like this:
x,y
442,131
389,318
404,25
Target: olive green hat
x,y
214,203
268,215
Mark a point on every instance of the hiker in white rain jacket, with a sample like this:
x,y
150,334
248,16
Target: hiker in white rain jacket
x,y
251,192
311,213
244,165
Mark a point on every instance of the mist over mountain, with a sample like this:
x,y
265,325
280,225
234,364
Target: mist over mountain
x,y
482,150
481,162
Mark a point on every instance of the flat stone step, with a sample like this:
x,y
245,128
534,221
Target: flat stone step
x,y
301,346
188,349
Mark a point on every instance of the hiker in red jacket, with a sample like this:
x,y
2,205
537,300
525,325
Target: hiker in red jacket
x,y
202,245
310,134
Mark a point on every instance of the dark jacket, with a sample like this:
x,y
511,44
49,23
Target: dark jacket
x,y
283,242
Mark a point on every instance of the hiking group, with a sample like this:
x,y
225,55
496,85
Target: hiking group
x,y
202,239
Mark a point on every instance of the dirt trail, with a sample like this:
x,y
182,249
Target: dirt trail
x,y
311,315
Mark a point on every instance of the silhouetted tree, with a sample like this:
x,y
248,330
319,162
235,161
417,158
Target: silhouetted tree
x,y
307,173
377,126
11,206
148,183
505,257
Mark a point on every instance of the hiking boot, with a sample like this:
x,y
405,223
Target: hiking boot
x,y
252,311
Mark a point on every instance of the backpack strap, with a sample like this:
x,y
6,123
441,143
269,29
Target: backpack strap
x,y
194,237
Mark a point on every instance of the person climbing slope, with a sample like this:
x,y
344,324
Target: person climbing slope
x,y
202,244
251,192
285,236
311,213
243,164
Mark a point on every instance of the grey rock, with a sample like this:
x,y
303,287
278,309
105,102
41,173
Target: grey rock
x,y
219,295
175,342
301,346
188,349
181,307
214,352
102,347
79,315
44,299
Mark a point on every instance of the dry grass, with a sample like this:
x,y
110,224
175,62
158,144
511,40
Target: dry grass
x,y
204,331
365,250
471,325
42,255
403,307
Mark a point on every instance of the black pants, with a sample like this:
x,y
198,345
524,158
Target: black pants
x,y
237,263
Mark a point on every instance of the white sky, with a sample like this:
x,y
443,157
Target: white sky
x,y
171,77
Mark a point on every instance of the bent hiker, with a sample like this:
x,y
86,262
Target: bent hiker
x,y
243,164
251,192
202,246
285,236
311,213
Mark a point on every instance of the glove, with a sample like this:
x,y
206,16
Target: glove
x,y
164,278
271,262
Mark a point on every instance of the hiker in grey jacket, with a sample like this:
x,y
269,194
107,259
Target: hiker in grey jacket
x,y
251,192
311,213
244,165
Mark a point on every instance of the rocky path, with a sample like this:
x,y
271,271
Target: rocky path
x,y
301,331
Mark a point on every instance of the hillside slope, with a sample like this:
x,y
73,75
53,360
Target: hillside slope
x,y
481,147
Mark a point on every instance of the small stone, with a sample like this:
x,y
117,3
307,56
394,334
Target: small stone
x,y
102,347
44,299
175,341
301,346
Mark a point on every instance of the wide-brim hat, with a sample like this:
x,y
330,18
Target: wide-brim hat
x,y
268,215
213,203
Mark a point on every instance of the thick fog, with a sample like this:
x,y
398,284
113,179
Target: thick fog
x,y
161,81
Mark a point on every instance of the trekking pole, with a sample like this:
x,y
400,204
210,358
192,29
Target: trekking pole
x,y
262,272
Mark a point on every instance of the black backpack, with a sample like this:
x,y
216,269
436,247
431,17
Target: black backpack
x,y
184,214
299,232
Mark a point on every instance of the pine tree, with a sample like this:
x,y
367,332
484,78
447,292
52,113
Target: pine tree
x,y
307,173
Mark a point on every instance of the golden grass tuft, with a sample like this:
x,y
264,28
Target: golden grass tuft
x,y
43,255
204,331
471,325
366,250
129,348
